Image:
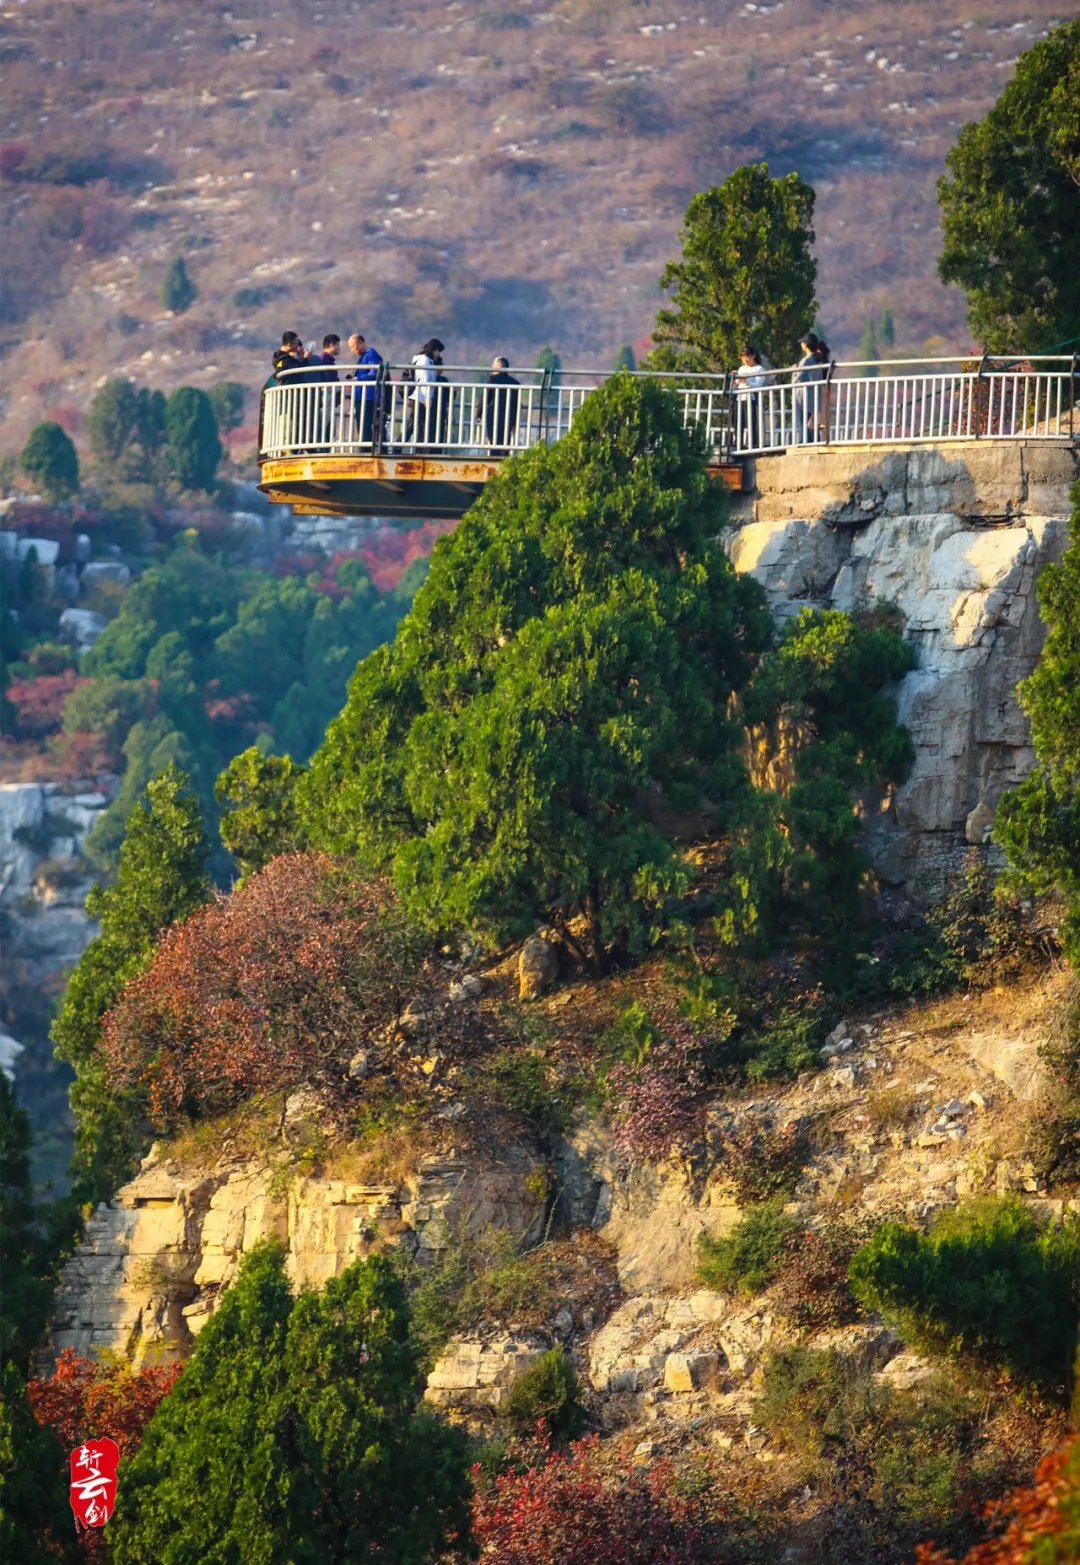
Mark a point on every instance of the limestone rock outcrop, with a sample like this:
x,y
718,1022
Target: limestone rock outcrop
x,y
652,1215
475,1376
954,538
152,1264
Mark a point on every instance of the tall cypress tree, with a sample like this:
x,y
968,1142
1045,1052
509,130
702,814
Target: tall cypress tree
x,y
293,1434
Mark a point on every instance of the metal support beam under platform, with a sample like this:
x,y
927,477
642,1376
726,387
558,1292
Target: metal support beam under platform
x,y
422,487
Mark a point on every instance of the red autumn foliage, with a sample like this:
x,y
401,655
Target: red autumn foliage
x,y
391,551
39,703
574,1509
281,981
657,1102
1043,1519
84,1398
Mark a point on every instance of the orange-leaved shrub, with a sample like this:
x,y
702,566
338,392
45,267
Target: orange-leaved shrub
x,y
278,982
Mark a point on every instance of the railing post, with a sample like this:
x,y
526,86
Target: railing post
x,y
978,394
1074,379
546,380
828,400
382,376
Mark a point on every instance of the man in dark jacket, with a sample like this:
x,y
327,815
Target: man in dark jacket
x,y
501,408
290,356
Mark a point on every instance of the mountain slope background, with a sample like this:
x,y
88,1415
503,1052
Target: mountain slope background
x,y
504,178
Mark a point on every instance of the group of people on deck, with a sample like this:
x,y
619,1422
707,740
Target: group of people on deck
x,y
808,400
364,409
367,413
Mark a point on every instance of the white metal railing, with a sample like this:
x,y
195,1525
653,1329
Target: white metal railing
x,y
463,413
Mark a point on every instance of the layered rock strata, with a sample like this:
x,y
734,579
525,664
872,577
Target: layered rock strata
x,y
953,538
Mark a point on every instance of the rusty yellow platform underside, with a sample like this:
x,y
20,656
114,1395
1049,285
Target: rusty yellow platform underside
x,y
405,486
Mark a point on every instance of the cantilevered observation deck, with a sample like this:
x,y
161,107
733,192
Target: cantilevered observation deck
x,y
394,446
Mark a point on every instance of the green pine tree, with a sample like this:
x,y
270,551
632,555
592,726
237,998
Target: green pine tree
x,y
747,274
294,1434
574,649
33,1499
192,434
161,878
178,292
624,359
112,422
260,817
49,459
1038,823
1010,215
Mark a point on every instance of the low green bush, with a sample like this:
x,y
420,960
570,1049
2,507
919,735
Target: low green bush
x,y
522,1081
747,1259
890,1469
988,1281
813,1399
1053,1131
548,1393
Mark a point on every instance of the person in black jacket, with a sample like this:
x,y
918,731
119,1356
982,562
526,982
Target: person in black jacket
x,y
290,356
500,408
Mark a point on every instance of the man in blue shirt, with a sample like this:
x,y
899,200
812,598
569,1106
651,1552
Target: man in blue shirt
x,y
365,376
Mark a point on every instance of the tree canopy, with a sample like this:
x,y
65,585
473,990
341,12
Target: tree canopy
x,y
294,1433
124,416
178,291
746,275
49,458
1010,204
259,818
161,878
32,1498
1038,823
571,654
560,705
205,659
192,434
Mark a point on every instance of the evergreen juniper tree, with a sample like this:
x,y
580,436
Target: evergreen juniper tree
x,y
49,458
32,1495
746,275
571,655
178,292
567,692
294,1434
161,877
259,817
1038,823
112,422
1010,205
192,434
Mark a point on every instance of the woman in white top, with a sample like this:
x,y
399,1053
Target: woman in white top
x,y
422,414
750,377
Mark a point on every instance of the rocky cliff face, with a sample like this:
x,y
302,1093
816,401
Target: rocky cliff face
x,y
914,1111
149,1272
955,539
